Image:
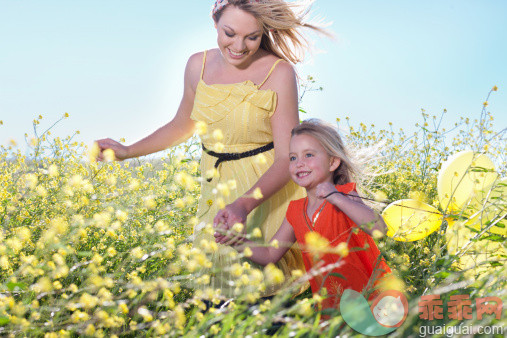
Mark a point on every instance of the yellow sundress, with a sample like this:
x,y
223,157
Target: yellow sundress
x,y
242,112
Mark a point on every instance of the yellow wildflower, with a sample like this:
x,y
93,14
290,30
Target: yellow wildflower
x,y
4,263
201,127
257,194
232,184
111,252
212,173
418,196
109,155
53,170
223,189
184,180
380,196
30,180
218,135
256,233
219,147
93,152
273,274
315,242
150,203
137,252
220,203
260,159
236,269
79,316
90,330
145,313
297,273
179,203
238,227
377,234
122,307
247,252
342,249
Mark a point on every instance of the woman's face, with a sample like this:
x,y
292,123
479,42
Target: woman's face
x,y
239,36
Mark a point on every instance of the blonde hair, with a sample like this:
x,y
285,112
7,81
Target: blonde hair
x,y
281,23
330,139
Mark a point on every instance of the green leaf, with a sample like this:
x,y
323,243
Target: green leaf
x,y
85,253
496,264
16,286
4,321
494,238
441,261
442,274
335,274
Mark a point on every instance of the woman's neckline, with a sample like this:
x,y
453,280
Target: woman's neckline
x,y
246,82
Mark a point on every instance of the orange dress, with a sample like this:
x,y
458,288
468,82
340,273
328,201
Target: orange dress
x,y
362,264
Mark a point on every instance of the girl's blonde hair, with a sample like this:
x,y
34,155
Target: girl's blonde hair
x,y
330,139
281,22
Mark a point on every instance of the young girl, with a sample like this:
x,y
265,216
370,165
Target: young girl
x,y
245,90
332,208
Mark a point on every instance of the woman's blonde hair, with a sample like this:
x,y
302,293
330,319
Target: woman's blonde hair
x,y
281,23
330,139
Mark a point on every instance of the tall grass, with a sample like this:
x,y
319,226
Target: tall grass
x,y
104,249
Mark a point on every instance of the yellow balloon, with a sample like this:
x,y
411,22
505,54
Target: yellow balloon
x,y
491,209
461,181
410,220
475,255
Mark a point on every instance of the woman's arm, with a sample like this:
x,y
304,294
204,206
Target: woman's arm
x,y
272,253
353,206
179,129
285,117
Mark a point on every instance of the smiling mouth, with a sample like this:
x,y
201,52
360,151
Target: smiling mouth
x,y
236,54
302,174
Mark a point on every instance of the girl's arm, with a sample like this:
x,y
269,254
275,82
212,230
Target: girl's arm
x,y
179,129
264,255
286,117
353,206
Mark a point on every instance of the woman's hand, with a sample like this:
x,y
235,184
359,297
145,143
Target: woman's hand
x,y
120,151
226,218
324,189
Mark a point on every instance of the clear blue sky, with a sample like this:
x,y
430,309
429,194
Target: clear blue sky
x,y
117,66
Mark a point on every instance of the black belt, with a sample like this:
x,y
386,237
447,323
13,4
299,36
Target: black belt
x,y
222,157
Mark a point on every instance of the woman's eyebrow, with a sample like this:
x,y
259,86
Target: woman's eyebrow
x,y
256,32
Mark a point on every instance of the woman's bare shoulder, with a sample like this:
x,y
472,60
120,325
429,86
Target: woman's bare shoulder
x,y
283,72
193,68
195,61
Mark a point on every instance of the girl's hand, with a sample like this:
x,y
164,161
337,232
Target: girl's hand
x,y
324,189
226,218
120,151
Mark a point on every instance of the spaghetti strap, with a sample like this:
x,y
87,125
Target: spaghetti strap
x,y
203,62
270,71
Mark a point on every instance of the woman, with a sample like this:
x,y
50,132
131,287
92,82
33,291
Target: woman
x,y
247,89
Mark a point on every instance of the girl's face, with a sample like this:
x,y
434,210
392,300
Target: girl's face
x,y
239,36
310,164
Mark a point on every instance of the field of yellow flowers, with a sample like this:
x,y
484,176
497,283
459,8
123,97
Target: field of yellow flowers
x,y
105,249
